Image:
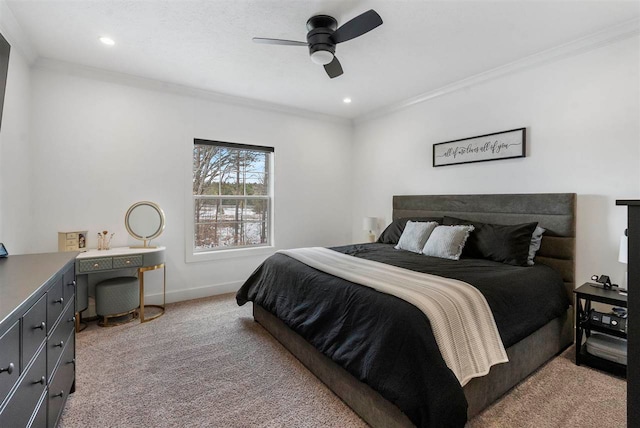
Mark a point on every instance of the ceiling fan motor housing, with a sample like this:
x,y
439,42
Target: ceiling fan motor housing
x,y
323,36
321,27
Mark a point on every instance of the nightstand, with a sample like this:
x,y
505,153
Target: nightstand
x,y
585,325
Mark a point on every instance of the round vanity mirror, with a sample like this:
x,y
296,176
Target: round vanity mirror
x,y
145,221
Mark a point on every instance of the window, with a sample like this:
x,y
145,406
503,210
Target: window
x,y
232,195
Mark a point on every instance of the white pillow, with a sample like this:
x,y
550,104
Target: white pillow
x,y
534,246
447,242
414,235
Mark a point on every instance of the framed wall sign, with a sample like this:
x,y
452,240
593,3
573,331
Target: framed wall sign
x,y
496,146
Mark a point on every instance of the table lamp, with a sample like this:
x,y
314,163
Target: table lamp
x,y
623,257
369,224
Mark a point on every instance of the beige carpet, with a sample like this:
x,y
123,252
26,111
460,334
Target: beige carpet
x,y
206,363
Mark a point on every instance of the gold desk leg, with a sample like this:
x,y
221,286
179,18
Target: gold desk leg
x,y
141,272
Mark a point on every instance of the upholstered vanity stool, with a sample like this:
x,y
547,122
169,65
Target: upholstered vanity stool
x,y
117,297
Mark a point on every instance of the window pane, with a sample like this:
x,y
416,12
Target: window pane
x,y
231,222
236,220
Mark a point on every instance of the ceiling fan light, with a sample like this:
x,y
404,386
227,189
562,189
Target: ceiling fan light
x,y
322,57
107,41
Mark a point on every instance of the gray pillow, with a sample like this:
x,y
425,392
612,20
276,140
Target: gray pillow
x,y
414,235
534,246
447,242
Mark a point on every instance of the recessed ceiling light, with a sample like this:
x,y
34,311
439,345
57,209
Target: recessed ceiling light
x,y
107,41
346,100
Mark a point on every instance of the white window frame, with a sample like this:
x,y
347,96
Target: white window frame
x,y
228,252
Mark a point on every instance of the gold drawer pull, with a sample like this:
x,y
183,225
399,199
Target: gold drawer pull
x,y
8,369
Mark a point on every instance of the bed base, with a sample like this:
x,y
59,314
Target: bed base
x,y
524,358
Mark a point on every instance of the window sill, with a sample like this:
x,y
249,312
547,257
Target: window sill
x,y
228,254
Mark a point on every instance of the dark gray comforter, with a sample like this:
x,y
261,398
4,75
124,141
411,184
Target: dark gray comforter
x,y
387,342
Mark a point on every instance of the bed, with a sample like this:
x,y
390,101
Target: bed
x,y
279,289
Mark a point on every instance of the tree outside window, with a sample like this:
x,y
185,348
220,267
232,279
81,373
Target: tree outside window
x,y
231,195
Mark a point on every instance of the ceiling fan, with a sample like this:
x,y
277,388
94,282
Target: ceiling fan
x,y
323,36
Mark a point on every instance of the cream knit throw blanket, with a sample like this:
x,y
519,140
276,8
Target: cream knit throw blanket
x,y
460,317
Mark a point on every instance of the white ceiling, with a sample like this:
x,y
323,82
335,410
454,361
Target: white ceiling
x,y
422,45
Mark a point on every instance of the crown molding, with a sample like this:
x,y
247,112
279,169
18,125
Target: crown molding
x,y
594,41
178,89
12,31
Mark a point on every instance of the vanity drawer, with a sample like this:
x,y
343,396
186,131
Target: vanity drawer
x,y
60,386
55,303
9,359
58,340
24,401
34,329
90,265
127,261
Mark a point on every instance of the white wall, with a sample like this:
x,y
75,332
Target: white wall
x,y
100,144
76,149
583,130
15,221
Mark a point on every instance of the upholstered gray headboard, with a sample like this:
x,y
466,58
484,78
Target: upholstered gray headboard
x,y
556,212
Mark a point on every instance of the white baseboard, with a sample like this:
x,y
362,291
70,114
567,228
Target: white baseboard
x,y
194,293
178,295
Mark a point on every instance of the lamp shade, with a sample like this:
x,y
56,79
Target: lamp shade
x,y
624,247
368,223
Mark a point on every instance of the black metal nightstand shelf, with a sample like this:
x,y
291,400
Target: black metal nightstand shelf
x,y
584,326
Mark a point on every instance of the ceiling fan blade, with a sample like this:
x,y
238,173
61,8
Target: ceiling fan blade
x,y
333,69
357,26
279,42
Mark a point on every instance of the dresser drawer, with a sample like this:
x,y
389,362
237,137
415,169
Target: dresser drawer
x,y
60,386
40,417
120,262
90,265
9,359
34,329
24,401
55,303
58,339
69,283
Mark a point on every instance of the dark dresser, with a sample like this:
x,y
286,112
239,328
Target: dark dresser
x,y
37,338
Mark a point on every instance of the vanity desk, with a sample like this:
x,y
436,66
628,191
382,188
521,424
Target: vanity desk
x,y
94,266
